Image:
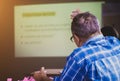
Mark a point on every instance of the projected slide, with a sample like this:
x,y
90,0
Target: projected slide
x,y
44,30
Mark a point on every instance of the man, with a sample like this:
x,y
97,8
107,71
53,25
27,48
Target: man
x,y
97,58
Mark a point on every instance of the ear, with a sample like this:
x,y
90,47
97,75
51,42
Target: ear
x,y
77,40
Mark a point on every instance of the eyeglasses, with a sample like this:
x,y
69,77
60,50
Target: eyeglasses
x,y
71,38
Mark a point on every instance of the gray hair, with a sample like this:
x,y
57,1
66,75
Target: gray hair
x,y
84,25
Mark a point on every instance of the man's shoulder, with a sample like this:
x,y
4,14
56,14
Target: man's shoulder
x,y
82,53
112,39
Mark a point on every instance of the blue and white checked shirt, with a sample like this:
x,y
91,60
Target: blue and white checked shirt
x,y
97,60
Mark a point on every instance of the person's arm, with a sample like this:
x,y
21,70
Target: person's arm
x,y
41,75
69,72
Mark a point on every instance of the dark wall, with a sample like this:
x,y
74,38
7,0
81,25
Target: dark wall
x,y
19,67
111,15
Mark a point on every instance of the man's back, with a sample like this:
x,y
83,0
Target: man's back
x,y
106,69
97,60
101,60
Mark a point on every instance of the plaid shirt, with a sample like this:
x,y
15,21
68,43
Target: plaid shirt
x,y
97,60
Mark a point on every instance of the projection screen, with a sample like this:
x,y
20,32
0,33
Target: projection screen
x,y
44,30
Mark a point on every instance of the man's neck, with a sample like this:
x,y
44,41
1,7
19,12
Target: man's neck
x,y
91,36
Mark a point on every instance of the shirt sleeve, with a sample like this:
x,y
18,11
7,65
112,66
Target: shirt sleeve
x,y
71,72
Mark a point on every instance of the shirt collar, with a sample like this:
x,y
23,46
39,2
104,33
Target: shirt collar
x,y
95,38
